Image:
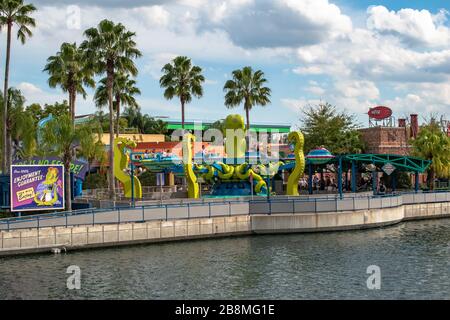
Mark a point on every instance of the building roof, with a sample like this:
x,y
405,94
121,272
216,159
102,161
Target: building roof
x,y
203,125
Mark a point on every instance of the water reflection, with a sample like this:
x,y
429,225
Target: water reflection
x,y
414,259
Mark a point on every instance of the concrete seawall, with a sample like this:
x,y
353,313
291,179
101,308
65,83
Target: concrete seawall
x,y
108,235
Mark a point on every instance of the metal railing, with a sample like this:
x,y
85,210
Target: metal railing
x,y
207,208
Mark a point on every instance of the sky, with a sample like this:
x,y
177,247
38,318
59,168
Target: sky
x,y
354,54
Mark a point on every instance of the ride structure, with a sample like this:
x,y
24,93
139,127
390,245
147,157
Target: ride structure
x,y
239,173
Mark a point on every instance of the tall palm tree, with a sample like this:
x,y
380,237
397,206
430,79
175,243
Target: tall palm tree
x,y
248,87
182,80
13,12
110,48
433,144
124,92
61,138
20,127
69,70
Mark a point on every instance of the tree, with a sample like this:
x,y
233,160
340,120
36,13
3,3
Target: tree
x,y
183,80
13,12
323,126
56,109
247,87
110,49
219,125
433,144
92,146
144,123
124,91
20,127
69,71
61,138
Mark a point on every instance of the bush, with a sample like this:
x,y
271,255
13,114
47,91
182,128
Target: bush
x,y
6,215
403,180
148,179
95,181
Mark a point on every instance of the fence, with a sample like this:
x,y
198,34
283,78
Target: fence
x,y
219,208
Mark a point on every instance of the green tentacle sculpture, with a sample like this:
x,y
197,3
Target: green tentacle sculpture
x,y
298,140
121,160
191,178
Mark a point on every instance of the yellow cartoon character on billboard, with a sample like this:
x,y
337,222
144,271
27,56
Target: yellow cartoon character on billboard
x,y
47,191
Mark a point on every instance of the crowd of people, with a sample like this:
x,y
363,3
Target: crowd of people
x,y
329,184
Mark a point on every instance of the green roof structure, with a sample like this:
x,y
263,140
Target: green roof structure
x,y
191,125
402,163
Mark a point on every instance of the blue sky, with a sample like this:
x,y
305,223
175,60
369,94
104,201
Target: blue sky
x,y
354,54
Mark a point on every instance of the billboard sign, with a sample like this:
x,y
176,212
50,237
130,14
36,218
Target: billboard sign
x,y
37,187
380,113
77,167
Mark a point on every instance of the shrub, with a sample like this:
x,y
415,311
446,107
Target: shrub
x,y
95,181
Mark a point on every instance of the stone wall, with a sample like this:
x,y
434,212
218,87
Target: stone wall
x,y
83,237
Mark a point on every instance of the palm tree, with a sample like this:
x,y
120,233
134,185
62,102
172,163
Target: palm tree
x,y
61,138
433,144
182,80
110,49
20,127
68,70
92,146
124,92
13,12
248,87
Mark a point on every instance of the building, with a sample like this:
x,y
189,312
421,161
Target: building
x,y
390,139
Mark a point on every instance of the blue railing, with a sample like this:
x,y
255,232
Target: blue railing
x,y
207,209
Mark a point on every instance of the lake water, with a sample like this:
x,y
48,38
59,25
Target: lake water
x,y
414,260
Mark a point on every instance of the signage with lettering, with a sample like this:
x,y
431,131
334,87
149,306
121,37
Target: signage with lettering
x,y
380,113
37,187
388,168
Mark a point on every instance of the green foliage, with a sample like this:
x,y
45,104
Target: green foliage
x,y
403,180
144,123
57,109
68,70
62,138
6,215
12,13
95,181
15,12
219,125
20,126
181,79
110,49
124,92
147,178
92,147
248,87
433,144
323,126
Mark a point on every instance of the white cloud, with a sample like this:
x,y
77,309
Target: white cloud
x,y
415,27
270,24
356,89
403,55
35,94
297,105
316,90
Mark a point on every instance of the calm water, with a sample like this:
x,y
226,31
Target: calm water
x,y
414,259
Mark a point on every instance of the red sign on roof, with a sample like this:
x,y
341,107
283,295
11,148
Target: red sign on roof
x,y
380,113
